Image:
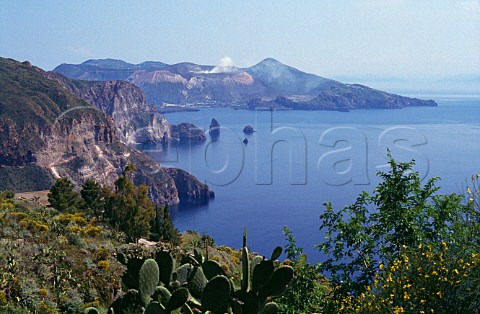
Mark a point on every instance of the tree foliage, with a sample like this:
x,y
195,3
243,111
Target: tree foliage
x,y
63,197
93,197
129,208
401,213
163,227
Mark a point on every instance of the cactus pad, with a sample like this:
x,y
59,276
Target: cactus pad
x,y
276,253
166,264
216,294
270,308
279,281
90,310
262,274
245,269
162,295
130,278
178,299
196,282
155,308
211,269
148,279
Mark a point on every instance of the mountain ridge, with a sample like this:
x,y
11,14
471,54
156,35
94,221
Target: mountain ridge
x,y
269,83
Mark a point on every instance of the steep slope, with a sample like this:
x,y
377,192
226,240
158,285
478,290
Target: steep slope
x,y
45,127
135,120
268,84
285,80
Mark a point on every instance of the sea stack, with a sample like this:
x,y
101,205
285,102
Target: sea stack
x,y
214,129
248,129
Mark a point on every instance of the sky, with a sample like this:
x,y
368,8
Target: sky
x,y
395,39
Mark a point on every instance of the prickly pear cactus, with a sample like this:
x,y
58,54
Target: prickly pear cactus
x,y
266,282
198,256
183,272
148,279
196,282
211,269
262,274
245,269
216,294
155,308
122,258
276,253
178,299
161,295
279,281
131,303
90,310
166,264
270,308
130,278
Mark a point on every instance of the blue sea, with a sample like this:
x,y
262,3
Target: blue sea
x,y
298,160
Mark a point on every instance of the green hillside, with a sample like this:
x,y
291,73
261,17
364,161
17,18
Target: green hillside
x,y
30,105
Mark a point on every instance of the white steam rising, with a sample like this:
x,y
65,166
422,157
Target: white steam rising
x,y
225,65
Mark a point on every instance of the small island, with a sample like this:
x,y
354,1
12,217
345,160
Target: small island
x,y
248,129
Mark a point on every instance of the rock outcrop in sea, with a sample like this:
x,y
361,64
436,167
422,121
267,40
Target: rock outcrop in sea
x,y
248,129
187,133
214,129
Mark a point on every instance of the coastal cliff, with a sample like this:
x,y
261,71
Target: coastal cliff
x,y
48,129
135,120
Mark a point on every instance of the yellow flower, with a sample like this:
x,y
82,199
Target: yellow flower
x,y
470,199
469,191
439,293
434,273
423,301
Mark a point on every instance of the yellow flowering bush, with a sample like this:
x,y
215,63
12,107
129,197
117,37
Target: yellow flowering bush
x,y
473,192
92,231
426,279
103,264
76,218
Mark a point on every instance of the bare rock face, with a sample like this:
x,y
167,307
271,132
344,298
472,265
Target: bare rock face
x,y
135,120
188,133
189,187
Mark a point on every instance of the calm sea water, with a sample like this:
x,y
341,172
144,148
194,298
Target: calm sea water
x,y
297,160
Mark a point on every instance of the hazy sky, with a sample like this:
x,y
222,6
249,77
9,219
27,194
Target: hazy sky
x,y
395,38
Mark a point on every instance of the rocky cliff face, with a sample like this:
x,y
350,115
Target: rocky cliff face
x,y
187,133
188,188
135,120
46,128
